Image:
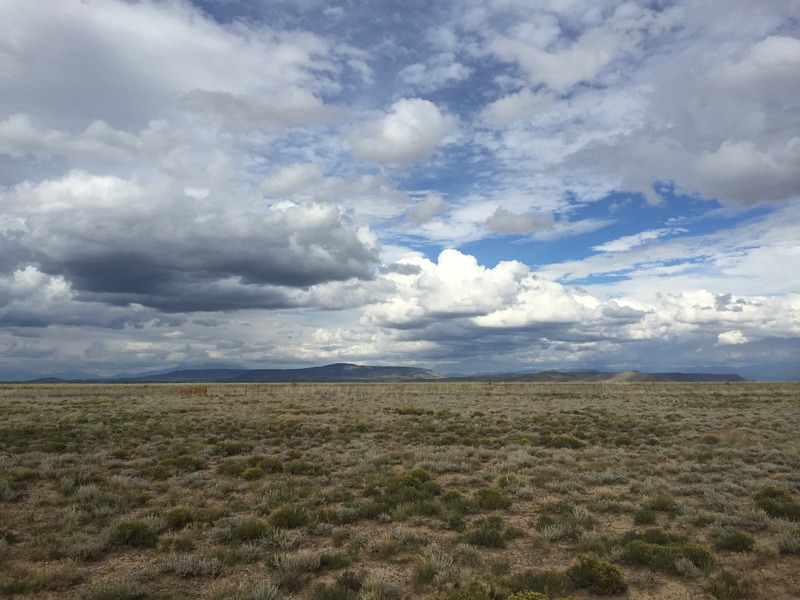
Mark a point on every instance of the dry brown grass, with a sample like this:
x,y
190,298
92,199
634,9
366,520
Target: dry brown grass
x,y
429,490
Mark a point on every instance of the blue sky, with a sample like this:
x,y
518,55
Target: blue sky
x,y
473,186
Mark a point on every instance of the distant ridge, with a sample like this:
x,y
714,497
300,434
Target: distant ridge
x,y
346,372
600,376
339,372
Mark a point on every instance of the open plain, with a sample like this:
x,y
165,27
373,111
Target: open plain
x,y
416,490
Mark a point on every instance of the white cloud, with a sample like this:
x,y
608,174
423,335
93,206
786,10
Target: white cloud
x,y
460,306
441,70
731,338
561,70
122,63
430,206
19,136
743,173
770,69
455,286
666,101
409,133
504,221
289,179
30,298
629,242
523,104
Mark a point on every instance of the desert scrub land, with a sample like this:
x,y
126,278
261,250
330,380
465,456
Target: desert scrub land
x,y
455,491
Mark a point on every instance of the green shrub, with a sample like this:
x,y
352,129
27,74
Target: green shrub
x,y
455,503
410,490
17,475
351,580
410,487
661,502
663,557
8,493
490,588
527,596
597,576
289,517
303,467
231,467
562,441
734,540
333,592
486,538
778,502
452,520
420,508
644,516
179,517
269,464
488,534
550,582
249,529
49,577
158,472
656,536
183,462
729,585
490,499
232,448
254,473
133,533
8,536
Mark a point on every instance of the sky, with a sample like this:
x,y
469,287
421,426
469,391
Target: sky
x,y
470,186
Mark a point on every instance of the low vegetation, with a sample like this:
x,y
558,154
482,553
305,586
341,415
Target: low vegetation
x,y
437,490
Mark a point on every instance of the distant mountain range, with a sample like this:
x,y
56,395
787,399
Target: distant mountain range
x,y
345,372
590,375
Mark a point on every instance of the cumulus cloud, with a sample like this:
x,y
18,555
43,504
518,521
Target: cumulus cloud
x,y
135,58
30,298
457,287
718,123
410,132
770,68
560,70
20,137
731,338
123,242
292,178
457,305
743,173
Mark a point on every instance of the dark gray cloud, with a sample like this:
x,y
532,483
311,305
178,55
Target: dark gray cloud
x,y
170,258
12,252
